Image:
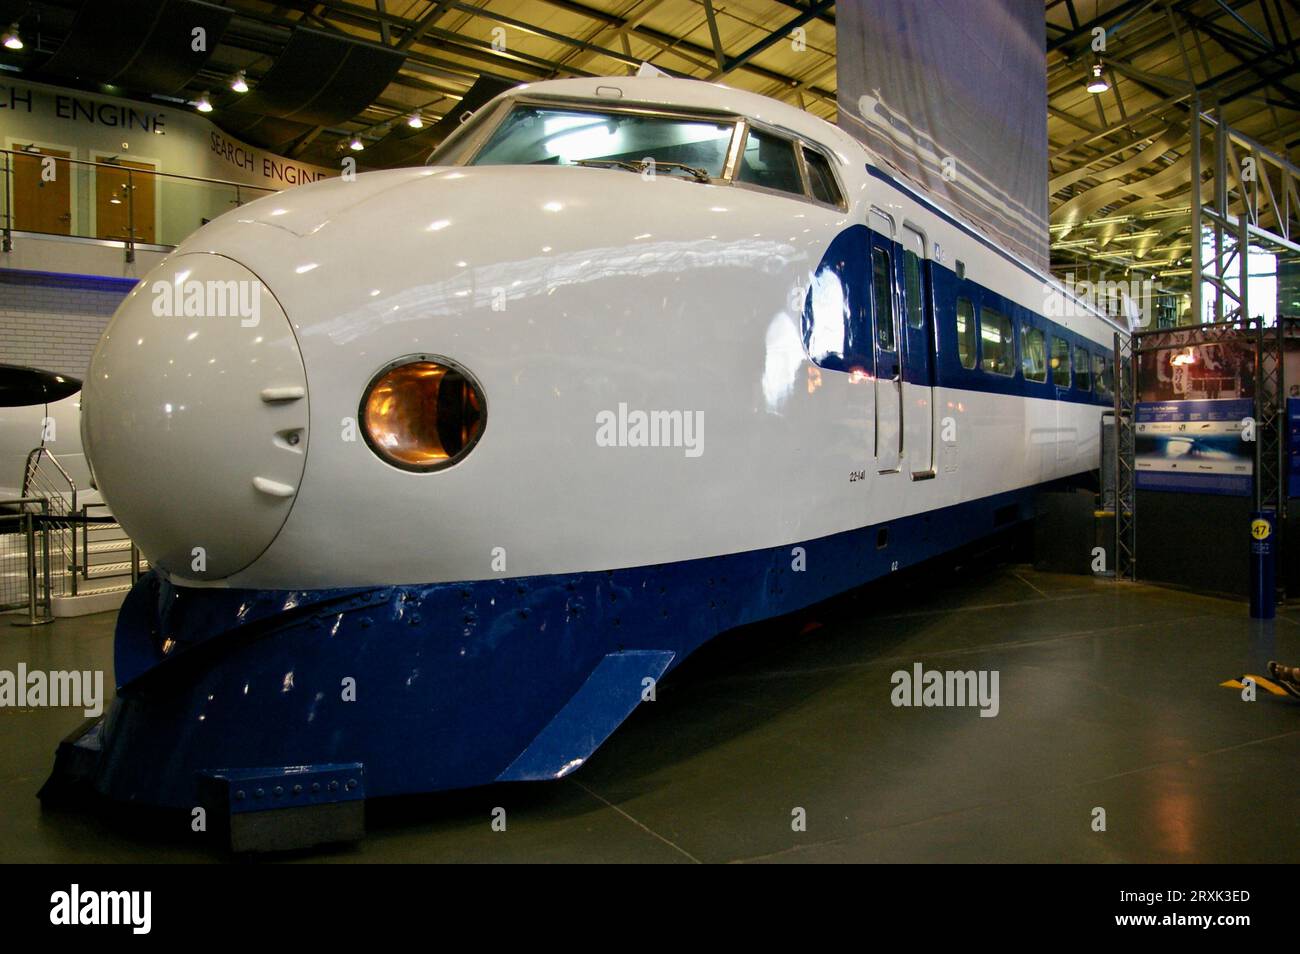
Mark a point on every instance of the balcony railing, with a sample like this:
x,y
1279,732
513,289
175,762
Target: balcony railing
x,y
118,201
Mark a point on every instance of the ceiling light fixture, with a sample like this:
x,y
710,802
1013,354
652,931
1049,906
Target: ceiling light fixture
x,y
415,121
203,104
1097,83
356,145
12,40
239,82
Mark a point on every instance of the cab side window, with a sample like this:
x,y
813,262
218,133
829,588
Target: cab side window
x,y
821,179
769,161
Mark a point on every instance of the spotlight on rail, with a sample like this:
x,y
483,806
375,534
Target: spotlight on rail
x,y
1096,82
356,145
203,104
239,82
415,121
12,40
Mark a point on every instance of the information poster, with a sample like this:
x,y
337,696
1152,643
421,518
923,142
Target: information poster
x,y
1195,446
1197,372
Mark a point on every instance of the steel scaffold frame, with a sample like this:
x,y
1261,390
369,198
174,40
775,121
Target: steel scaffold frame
x,y
1268,343
1125,404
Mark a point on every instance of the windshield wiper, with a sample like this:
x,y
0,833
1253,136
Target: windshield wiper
x,y
610,163
699,174
641,165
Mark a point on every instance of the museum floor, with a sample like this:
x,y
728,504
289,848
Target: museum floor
x,y
1109,697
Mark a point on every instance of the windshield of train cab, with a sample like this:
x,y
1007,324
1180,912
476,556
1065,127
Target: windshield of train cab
x,y
695,147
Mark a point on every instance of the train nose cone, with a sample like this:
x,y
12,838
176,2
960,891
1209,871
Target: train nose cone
x,y
195,416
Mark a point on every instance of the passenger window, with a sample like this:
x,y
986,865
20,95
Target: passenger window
x,y
884,300
1082,374
1099,373
1033,354
1060,362
998,347
769,162
966,332
914,304
1108,377
821,179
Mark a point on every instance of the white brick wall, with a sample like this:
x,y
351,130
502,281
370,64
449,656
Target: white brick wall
x,y
54,321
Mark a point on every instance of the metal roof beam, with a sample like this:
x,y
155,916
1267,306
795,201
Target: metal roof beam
x,y
1264,41
658,36
420,27
1249,55
776,36
797,5
581,45
718,52
1087,28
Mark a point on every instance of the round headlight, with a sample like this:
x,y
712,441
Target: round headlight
x,y
422,413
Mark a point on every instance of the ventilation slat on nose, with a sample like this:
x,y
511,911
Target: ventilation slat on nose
x,y
274,395
273,488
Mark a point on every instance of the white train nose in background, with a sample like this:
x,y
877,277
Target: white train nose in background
x,y
195,416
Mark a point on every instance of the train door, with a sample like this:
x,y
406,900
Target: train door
x,y
889,366
917,327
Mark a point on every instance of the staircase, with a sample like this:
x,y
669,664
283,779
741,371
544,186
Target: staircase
x,y
92,561
105,565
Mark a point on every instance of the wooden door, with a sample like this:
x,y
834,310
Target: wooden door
x,y
43,192
116,207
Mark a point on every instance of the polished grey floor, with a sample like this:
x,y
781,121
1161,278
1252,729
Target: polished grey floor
x,y
1110,698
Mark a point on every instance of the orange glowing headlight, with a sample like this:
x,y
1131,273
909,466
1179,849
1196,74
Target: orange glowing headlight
x,y
422,413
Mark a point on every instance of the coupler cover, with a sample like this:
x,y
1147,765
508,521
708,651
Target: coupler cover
x,y
289,807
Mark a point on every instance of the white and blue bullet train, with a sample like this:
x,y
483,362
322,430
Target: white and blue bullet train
x,y
491,443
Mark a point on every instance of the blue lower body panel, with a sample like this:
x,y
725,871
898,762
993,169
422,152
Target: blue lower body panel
x,y
448,685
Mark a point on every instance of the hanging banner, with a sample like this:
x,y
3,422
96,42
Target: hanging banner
x,y
953,94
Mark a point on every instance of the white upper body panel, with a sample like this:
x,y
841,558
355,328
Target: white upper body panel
x,y
568,293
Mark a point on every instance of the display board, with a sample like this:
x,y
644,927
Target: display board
x,y
1198,446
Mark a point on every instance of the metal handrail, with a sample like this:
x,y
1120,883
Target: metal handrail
x,y
85,519
144,172
69,522
130,241
29,472
29,535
